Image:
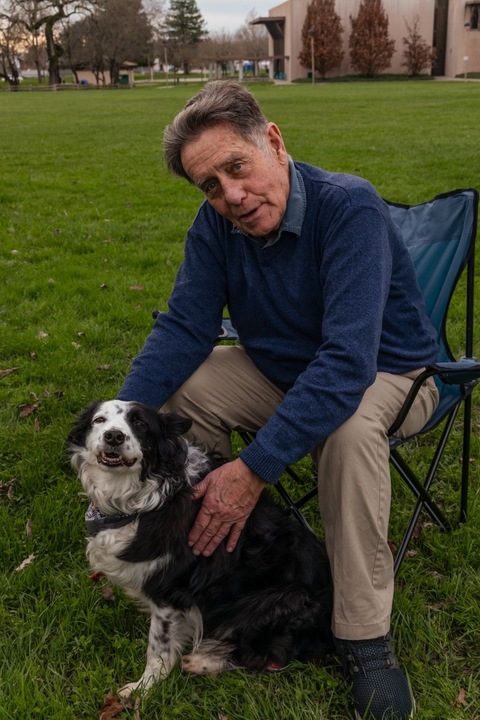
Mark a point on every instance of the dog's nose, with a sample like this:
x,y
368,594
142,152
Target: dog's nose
x,y
114,437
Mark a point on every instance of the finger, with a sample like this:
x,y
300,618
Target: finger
x,y
234,536
214,541
200,489
206,534
202,521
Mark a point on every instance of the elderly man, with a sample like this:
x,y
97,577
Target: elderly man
x,y
332,331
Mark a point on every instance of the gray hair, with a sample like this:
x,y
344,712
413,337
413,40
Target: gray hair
x,y
220,102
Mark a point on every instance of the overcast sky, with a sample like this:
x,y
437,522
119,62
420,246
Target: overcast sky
x,y
230,14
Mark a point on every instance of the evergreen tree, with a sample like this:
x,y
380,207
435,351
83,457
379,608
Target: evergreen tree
x,y
325,27
185,28
371,48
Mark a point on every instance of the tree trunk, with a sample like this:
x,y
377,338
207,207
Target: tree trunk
x,y
53,53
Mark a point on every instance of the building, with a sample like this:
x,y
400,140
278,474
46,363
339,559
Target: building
x,y
450,26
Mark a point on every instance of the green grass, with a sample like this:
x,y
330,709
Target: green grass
x,y
91,234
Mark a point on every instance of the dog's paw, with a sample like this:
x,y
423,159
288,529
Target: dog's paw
x,y
127,690
198,663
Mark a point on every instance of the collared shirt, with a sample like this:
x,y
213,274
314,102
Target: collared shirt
x,y
294,214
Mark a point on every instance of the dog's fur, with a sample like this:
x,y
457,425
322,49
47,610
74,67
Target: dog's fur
x,y
259,607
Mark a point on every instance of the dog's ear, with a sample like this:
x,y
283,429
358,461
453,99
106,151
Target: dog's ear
x,y
82,423
175,424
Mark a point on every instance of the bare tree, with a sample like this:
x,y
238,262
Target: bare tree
x,y
12,39
322,32
252,40
117,32
371,48
45,15
219,48
418,54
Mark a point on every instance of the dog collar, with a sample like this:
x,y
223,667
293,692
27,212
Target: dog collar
x,y
96,521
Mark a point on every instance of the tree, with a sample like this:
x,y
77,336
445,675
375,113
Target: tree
x,y
252,40
185,28
371,48
47,14
324,28
117,32
12,38
418,54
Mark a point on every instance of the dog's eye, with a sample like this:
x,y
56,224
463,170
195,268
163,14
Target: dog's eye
x,y
138,423
99,420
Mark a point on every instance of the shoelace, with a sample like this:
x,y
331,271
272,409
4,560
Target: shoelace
x,y
380,659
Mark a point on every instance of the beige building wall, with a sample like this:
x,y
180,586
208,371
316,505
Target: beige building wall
x,y
461,42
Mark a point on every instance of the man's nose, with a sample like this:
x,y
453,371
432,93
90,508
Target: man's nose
x,y
233,192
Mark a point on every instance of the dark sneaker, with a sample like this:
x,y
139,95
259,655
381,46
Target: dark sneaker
x,y
380,688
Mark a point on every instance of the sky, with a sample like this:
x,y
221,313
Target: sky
x,y
231,14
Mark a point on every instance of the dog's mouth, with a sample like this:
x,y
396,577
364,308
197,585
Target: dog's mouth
x,y
113,459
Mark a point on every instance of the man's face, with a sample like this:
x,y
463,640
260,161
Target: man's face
x,y
246,184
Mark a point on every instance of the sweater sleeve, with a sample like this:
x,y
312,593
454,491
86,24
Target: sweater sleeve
x,y
355,275
183,337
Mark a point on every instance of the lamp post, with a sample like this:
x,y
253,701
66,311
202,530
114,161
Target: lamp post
x,y
165,62
311,32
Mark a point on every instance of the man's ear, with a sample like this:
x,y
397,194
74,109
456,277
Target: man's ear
x,y
275,140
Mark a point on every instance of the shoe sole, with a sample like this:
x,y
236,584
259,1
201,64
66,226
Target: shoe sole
x,y
359,717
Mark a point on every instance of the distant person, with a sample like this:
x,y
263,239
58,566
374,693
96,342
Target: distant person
x,y
332,330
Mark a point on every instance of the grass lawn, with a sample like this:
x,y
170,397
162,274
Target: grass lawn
x,y
91,234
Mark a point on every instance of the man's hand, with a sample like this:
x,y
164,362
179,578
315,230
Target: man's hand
x,y
229,493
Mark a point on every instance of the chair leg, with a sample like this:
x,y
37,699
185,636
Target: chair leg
x,y
467,423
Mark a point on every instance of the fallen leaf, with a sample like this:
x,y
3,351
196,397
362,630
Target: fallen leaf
x,y
103,367
25,562
441,604
28,530
4,373
393,547
136,287
461,699
7,489
42,334
112,707
107,593
33,355
27,410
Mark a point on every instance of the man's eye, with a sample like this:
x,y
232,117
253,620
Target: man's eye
x,y
209,187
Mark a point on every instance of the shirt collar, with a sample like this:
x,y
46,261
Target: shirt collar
x,y
294,214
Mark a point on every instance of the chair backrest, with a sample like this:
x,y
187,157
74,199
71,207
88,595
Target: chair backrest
x,y
440,235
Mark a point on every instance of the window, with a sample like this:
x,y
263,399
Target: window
x,y
473,16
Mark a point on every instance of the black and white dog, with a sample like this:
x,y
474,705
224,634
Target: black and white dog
x,y
259,607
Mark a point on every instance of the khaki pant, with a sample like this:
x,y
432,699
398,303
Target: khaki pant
x,y
228,393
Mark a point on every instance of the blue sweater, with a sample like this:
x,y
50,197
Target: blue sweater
x,y
320,312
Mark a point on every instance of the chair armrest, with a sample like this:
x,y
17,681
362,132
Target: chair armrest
x,y
460,372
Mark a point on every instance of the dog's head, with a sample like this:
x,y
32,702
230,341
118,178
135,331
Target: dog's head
x,y
114,441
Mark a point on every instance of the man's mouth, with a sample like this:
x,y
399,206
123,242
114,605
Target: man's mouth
x,y
111,459
248,216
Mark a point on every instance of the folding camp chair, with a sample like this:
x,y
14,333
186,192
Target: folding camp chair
x,y
440,236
